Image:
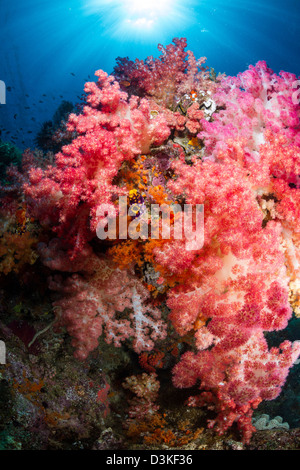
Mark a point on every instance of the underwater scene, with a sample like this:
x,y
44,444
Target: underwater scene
x,y
149,226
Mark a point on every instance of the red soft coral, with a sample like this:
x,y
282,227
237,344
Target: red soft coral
x,y
111,130
229,291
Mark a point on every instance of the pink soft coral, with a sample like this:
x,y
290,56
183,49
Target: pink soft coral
x,y
101,300
111,130
239,280
238,379
227,293
252,102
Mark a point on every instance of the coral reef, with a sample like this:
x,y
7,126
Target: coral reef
x,y
9,155
165,132
53,134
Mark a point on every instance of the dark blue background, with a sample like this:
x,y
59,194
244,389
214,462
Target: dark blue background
x,y
43,42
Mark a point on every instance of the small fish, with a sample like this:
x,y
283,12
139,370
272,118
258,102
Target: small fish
x,y
41,101
182,109
73,74
29,132
44,95
194,142
27,96
125,83
193,95
27,107
15,116
135,200
8,88
33,119
153,113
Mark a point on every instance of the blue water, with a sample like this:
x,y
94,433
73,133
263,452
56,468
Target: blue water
x,y
50,47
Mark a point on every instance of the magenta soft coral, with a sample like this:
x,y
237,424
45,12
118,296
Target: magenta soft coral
x,y
252,102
